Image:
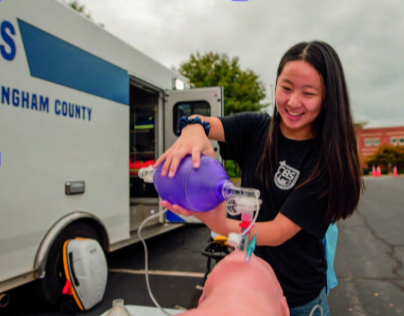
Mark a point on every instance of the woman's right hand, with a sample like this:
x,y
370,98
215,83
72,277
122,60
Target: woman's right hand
x,y
192,140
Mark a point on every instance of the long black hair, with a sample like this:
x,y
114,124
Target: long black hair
x,y
337,172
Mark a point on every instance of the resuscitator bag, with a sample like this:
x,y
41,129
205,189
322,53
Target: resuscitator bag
x,y
199,190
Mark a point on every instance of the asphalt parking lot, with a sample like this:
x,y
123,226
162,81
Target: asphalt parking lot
x,y
370,254
369,263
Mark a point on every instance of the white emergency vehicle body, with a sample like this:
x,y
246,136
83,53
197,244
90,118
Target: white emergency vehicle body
x,y
64,118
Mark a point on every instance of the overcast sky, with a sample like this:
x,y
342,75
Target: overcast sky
x,y
367,34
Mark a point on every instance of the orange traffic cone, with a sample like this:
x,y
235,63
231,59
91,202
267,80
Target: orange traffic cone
x,y
374,174
395,173
379,171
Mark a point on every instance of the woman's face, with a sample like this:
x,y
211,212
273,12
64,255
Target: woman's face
x,y
299,98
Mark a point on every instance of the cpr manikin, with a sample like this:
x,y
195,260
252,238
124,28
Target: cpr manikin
x,y
235,287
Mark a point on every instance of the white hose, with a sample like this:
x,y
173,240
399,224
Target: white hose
x,y
146,259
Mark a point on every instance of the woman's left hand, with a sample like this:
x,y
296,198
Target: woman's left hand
x,y
177,209
214,219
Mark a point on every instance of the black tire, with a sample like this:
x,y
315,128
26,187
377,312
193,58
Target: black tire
x,y
52,285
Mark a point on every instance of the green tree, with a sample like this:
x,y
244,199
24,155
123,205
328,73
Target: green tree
x,y
386,155
79,8
75,5
243,91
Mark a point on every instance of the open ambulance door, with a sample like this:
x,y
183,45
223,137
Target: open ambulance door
x,y
179,103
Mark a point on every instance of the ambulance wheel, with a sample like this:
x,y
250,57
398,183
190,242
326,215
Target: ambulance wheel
x,y
55,279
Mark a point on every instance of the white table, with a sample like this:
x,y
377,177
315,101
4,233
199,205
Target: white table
x,y
136,310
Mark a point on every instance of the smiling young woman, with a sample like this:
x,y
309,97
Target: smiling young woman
x,y
303,159
312,102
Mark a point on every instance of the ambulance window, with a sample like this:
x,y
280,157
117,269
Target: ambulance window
x,y
187,109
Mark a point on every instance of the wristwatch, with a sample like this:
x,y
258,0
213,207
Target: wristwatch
x,y
184,121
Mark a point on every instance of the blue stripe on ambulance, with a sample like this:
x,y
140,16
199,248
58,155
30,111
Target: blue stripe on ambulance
x,y
57,61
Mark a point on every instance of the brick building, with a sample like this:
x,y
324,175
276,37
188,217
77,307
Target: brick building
x,y
369,139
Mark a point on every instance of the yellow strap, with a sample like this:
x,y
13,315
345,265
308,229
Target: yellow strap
x,y
67,273
221,240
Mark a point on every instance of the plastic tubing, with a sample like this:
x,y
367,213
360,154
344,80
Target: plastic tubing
x,y
146,260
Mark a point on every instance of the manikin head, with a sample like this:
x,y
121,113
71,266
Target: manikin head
x,y
238,288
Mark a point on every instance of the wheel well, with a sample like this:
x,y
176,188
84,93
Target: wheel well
x,y
59,227
101,232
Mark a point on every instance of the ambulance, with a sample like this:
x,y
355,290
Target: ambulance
x,y
80,112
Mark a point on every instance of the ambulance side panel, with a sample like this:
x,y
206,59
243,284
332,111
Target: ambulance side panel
x,y
64,116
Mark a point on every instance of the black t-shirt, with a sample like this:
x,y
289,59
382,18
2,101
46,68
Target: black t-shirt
x,y
299,263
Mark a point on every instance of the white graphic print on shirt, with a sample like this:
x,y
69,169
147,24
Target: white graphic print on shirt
x,y
286,176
